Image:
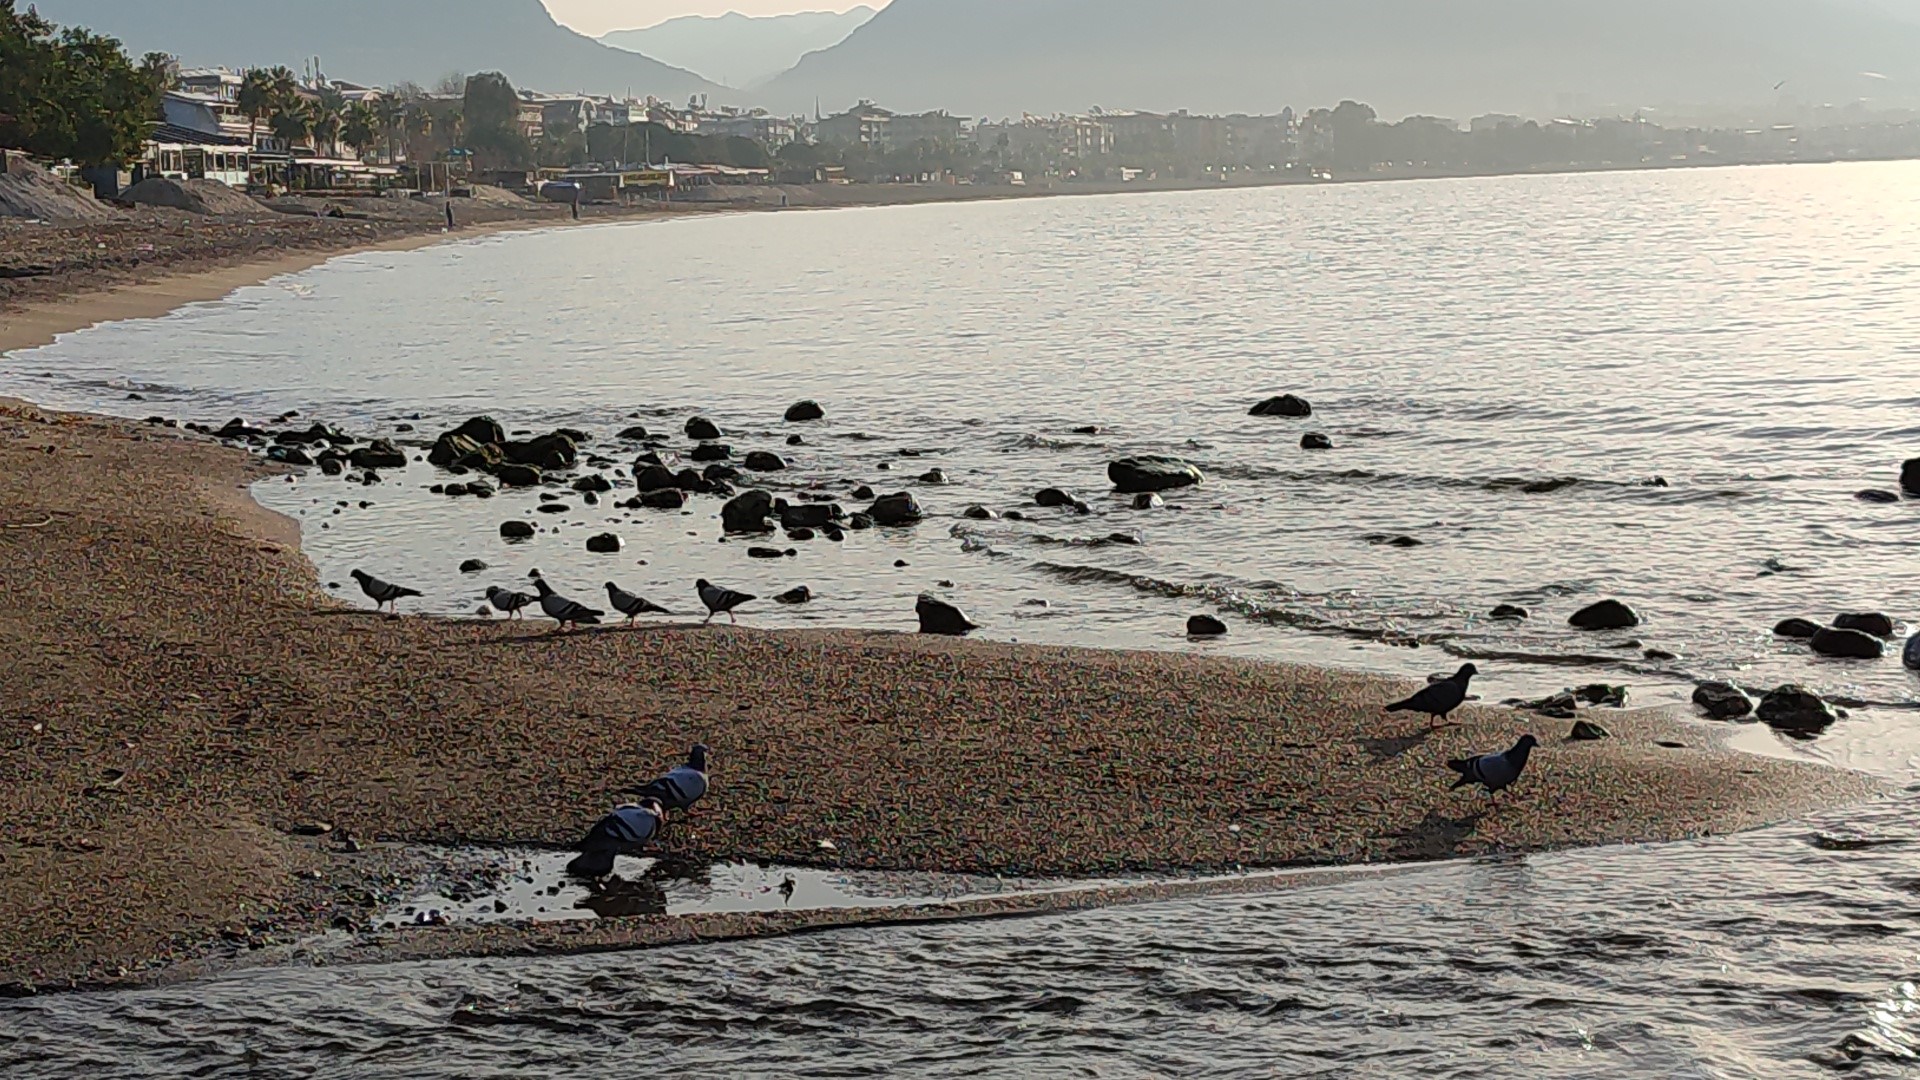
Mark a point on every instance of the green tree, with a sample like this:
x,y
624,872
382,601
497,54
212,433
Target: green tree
x,y
329,109
492,112
361,127
292,121
256,99
72,94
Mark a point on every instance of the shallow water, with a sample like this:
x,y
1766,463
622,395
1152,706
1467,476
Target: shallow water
x,y
1501,363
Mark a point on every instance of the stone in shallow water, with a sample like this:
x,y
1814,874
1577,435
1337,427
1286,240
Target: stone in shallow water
x,y
516,530
899,508
1910,656
1874,623
1605,615
1722,700
472,566
801,412
604,544
1152,472
939,617
1205,626
1314,440
1799,629
799,594
1796,711
701,429
1847,644
1506,612
1284,405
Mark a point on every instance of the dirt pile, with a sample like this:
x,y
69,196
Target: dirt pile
x,y
29,191
193,196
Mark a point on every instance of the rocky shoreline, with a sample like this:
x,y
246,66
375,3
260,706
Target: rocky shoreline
x,y
190,709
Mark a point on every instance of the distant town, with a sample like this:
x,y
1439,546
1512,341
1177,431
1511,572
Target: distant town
x,y
271,131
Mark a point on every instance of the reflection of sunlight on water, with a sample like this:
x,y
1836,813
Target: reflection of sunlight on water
x,y
1891,1023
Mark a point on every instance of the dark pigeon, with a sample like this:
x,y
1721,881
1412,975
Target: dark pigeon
x,y
1494,771
509,602
382,593
562,610
682,786
1437,699
718,599
630,605
626,831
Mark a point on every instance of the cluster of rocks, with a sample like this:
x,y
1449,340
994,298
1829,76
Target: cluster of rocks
x,y
1909,486
1791,709
1858,636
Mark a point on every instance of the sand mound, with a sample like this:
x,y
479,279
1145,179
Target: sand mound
x,y
497,198
193,196
29,191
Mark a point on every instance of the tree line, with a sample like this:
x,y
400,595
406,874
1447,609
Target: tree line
x,y
73,94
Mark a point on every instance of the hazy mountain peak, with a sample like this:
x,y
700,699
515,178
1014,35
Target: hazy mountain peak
x,y
740,50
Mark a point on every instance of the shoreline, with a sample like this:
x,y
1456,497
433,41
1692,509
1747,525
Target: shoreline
x,y
38,319
164,741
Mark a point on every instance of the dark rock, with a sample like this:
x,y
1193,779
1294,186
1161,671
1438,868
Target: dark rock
x,y
1605,615
1874,623
1874,496
311,828
1659,654
747,512
795,440
516,530
939,617
455,449
332,466
553,508
663,499
645,459
1313,440
1560,706
1284,405
654,478
1910,477
802,411
454,490
636,433
1205,626
862,492
711,451
765,553
1910,656
1602,694
1391,540
720,472
1014,515
1127,539
899,508
596,482
378,454
1588,731
1795,710
859,522
979,513
1722,700
688,480
799,594
1152,472
369,478
480,489
1847,644
550,452
1509,612
809,515
288,455
934,476
800,535
472,566
518,475
1798,629
482,430
1147,500
1087,429
1058,497
763,461
701,429
604,544
899,564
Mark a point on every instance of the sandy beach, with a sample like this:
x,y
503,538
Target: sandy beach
x,y
185,697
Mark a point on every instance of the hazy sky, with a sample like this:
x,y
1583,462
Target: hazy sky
x,y
599,16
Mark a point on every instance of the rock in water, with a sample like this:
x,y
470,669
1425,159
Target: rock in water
x,y
1056,497
711,451
516,530
1874,623
701,429
1605,615
763,461
1206,626
1873,495
799,594
1795,710
899,508
1284,405
654,478
1847,644
1910,477
603,544
939,617
518,475
636,433
472,566
801,412
979,513
1314,440
747,512
663,499
809,515
378,454
593,483
1722,701
1147,500
1509,613
552,451
1911,655
1799,629
1152,472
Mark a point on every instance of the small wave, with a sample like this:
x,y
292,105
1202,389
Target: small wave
x,y
1050,442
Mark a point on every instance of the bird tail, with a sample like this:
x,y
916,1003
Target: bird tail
x,y
408,592
1401,706
1463,766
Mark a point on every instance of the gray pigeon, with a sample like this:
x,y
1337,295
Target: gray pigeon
x,y
682,786
509,602
1437,699
562,610
1494,771
382,593
626,831
630,605
718,599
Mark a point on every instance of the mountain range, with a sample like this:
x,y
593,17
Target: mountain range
x,y
1456,58
740,50
382,41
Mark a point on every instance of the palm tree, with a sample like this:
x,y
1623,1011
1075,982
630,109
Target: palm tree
x,y
361,127
329,117
256,99
391,114
293,120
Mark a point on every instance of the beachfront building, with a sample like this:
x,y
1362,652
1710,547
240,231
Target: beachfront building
x,y
1077,137
772,132
865,125
179,153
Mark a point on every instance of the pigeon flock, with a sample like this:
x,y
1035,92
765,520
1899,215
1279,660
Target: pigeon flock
x,y
1438,699
565,612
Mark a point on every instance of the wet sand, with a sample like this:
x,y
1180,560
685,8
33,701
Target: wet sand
x,y
182,696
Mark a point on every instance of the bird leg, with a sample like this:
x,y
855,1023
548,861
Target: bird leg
x,y
708,619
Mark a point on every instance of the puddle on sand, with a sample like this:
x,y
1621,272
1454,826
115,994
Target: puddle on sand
x,y
515,885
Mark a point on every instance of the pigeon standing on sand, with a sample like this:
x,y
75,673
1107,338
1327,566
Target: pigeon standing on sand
x,y
382,593
1494,771
718,599
509,602
562,610
630,605
626,831
1437,699
681,786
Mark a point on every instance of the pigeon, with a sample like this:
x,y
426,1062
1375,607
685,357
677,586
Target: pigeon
x,y
382,593
509,602
682,785
718,599
1437,699
1494,771
630,605
625,831
562,610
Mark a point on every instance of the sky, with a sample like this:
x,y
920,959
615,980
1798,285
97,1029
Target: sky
x,y
596,17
